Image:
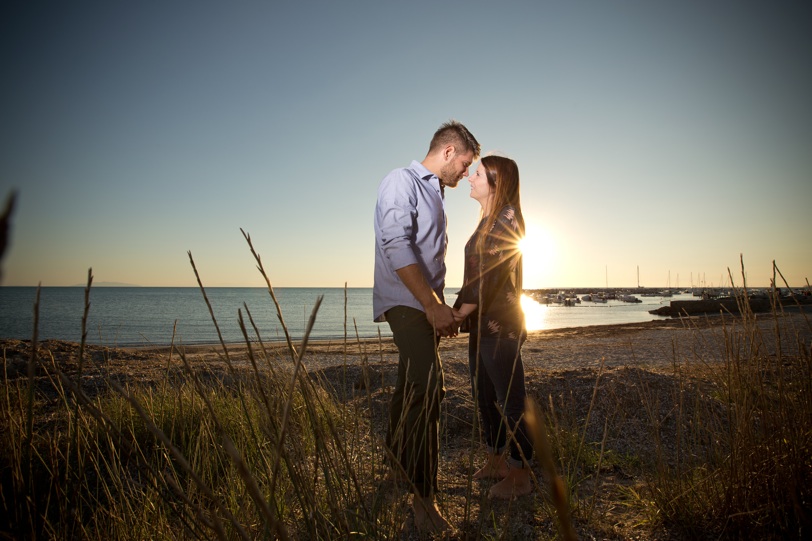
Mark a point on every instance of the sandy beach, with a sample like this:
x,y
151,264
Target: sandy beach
x,y
614,373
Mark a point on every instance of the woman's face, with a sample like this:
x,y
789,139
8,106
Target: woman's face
x,y
480,189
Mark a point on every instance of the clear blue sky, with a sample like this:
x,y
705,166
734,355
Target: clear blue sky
x,y
669,136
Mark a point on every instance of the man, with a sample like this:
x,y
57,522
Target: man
x,y
410,248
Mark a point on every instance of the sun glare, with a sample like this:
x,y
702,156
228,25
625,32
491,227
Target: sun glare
x,y
535,314
538,253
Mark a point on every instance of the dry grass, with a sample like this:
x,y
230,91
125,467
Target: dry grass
x,y
672,430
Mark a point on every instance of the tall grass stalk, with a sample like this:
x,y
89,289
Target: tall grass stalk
x,y
570,444
23,475
189,454
743,466
557,488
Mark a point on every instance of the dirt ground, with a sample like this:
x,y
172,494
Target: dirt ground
x,y
604,379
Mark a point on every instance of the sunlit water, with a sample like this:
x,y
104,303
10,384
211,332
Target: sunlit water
x,y
555,316
146,315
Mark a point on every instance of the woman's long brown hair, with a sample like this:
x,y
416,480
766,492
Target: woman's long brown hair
x,y
503,177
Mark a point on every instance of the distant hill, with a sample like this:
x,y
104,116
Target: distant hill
x,y
107,284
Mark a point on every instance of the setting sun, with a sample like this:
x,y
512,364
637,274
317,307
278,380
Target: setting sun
x,y
538,252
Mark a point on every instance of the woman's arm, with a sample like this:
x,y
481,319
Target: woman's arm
x,y
465,310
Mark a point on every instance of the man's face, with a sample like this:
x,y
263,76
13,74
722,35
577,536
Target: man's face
x,y
456,167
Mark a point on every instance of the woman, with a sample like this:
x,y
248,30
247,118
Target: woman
x,y
489,308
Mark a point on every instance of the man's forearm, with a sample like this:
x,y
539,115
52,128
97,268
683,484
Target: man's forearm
x,y
416,283
437,312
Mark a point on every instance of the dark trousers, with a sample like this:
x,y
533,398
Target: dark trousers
x,y
497,380
414,412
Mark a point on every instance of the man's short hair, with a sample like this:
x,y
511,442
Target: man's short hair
x,y
454,133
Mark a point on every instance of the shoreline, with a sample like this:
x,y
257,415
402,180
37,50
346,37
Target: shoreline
x,y
699,321
704,320
656,343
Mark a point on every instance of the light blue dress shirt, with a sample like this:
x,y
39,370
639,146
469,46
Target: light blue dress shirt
x,y
410,227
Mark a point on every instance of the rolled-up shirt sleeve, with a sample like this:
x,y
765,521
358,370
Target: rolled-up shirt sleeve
x,y
396,220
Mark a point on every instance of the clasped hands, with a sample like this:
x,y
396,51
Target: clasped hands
x,y
446,320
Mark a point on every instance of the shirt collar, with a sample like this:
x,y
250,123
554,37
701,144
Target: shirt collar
x,y
427,175
422,172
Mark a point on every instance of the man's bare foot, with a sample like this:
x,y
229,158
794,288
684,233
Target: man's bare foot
x,y
516,483
427,518
495,468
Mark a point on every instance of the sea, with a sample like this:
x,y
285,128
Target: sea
x,y
152,316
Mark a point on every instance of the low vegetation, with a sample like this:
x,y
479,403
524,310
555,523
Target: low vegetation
x,y
719,447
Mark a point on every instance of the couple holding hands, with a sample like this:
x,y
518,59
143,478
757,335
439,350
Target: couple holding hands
x,y
410,247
